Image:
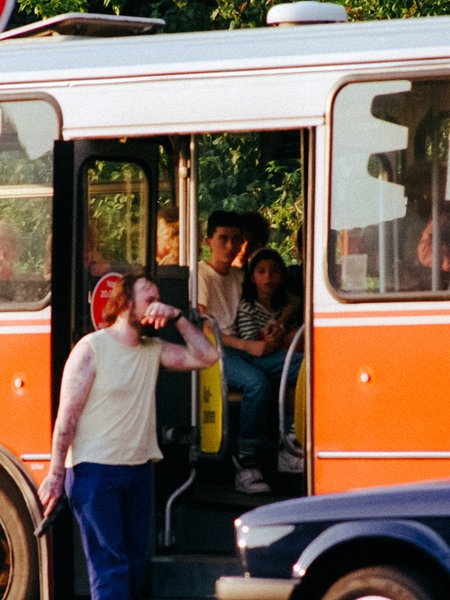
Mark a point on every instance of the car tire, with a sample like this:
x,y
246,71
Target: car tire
x,y
380,583
19,567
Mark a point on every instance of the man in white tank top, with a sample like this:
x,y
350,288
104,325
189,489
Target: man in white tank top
x,y
105,440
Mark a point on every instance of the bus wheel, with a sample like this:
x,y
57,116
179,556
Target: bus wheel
x,y
19,570
380,583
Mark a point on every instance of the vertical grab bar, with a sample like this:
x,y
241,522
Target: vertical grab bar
x,y
282,393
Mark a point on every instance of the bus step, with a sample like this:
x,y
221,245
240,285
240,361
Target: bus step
x,y
190,575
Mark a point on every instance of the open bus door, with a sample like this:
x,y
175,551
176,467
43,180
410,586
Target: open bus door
x,y
106,201
106,196
105,210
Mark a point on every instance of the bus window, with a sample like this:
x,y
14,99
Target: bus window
x,y
389,192
27,131
117,216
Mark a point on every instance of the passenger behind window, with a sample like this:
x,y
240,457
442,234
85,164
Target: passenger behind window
x,y
266,306
9,253
167,237
265,312
219,293
441,228
425,246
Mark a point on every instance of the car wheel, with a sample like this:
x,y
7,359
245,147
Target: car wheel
x,y
379,583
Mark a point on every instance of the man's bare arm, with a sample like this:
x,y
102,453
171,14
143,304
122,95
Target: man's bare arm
x,y
253,347
199,352
77,379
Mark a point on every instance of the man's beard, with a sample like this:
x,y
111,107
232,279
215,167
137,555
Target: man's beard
x,y
133,320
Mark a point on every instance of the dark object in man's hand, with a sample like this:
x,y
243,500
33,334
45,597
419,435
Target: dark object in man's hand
x,y
46,523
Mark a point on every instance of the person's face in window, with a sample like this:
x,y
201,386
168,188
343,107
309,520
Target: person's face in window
x,y
267,277
225,243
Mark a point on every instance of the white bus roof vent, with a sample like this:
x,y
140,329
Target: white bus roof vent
x,y
306,12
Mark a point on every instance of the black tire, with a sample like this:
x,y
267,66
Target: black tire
x,y
379,583
19,565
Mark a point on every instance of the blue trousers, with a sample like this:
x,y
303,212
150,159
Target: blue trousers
x,y
112,506
251,376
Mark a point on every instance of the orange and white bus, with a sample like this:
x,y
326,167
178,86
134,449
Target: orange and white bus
x,y
101,125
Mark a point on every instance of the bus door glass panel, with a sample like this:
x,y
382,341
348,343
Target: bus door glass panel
x,y
27,131
117,216
117,224
120,198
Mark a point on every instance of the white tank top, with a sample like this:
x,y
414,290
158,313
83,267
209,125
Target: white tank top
x,y
118,423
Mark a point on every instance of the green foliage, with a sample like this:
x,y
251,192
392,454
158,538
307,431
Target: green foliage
x,y
369,10
29,217
285,212
117,211
43,9
234,175
195,15
241,13
227,163
17,169
181,15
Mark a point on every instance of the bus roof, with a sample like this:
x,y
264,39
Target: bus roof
x,y
68,57
238,80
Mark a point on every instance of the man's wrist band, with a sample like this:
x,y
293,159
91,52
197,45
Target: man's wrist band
x,y
177,318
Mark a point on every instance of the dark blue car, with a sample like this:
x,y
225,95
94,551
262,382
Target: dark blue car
x,y
379,544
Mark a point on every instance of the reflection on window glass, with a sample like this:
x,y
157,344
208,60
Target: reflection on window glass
x,y
27,132
117,216
390,196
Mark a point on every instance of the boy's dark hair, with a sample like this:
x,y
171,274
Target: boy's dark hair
x,y
223,218
280,297
256,228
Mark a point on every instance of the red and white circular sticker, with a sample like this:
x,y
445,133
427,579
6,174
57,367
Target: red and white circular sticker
x,y
100,295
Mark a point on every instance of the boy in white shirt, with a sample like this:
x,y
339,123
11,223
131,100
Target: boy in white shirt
x,y
220,288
